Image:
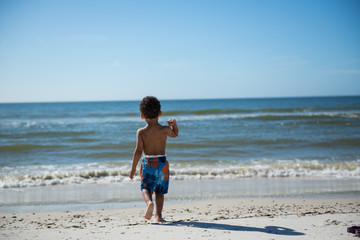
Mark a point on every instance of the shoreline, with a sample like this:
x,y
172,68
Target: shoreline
x,y
126,195
260,218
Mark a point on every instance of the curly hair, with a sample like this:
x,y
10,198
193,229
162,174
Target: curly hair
x,y
150,107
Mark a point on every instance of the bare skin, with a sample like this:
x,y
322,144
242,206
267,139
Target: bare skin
x,y
151,140
150,205
159,200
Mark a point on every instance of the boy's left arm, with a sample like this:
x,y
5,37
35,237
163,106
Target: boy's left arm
x,y
137,154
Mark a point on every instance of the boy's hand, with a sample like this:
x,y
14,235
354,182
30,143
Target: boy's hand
x,y
171,122
131,174
173,129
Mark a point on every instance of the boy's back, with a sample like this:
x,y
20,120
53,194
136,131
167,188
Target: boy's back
x,y
154,139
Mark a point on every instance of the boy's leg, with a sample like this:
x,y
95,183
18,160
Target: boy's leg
x,y
159,200
147,196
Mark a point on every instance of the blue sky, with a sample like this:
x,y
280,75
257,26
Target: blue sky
x,y
124,50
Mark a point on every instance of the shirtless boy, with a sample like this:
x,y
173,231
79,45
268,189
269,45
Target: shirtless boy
x,y
151,143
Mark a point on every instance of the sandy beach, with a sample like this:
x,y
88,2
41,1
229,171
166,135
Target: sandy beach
x,y
260,218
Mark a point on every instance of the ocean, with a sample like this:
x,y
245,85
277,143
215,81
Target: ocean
x,y
226,147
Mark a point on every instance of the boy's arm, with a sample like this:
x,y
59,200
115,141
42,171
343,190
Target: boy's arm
x,y
137,153
173,128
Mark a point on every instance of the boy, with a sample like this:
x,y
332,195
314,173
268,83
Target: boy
x,y
151,142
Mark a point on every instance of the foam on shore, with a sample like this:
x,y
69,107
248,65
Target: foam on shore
x,y
117,172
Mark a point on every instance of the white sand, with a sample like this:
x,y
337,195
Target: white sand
x,y
215,219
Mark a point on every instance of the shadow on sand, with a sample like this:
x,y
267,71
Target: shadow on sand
x,y
268,229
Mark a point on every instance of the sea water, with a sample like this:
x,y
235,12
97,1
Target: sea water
x,y
47,147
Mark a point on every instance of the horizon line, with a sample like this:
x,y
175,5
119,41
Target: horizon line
x,y
181,99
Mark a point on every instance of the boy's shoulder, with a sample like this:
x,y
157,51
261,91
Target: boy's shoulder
x,y
141,130
157,128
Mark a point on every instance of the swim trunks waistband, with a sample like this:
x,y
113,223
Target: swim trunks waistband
x,y
154,156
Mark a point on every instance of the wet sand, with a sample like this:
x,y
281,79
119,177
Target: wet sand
x,y
261,218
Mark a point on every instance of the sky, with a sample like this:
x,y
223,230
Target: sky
x,y
124,50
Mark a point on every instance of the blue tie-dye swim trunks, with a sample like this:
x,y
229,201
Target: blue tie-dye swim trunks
x,y
154,174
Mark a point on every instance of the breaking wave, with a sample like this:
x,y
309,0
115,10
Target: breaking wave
x,y
35,176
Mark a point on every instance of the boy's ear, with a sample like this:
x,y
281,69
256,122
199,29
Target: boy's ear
x,y
142,116
160,113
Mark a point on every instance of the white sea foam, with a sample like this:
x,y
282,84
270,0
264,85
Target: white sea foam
x,y
34,176
64,122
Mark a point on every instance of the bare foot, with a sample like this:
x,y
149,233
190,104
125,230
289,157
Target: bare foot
x,y
159,219
149,211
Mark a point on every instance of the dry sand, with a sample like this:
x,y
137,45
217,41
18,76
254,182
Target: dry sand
x,y
214,219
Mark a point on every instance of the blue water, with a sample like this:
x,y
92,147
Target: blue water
x,y
47,144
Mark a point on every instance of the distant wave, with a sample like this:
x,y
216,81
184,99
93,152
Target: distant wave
x,y
69,116
262,110
23,147
100,149
33,116
307,115
97,147
54,122
317,117
34,176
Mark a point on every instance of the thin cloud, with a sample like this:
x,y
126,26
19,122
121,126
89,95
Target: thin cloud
x,y
40,40
286,61
116,63
172,65
346,71
81,37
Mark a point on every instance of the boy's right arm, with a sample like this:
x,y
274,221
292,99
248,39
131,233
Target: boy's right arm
x,y
137,153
